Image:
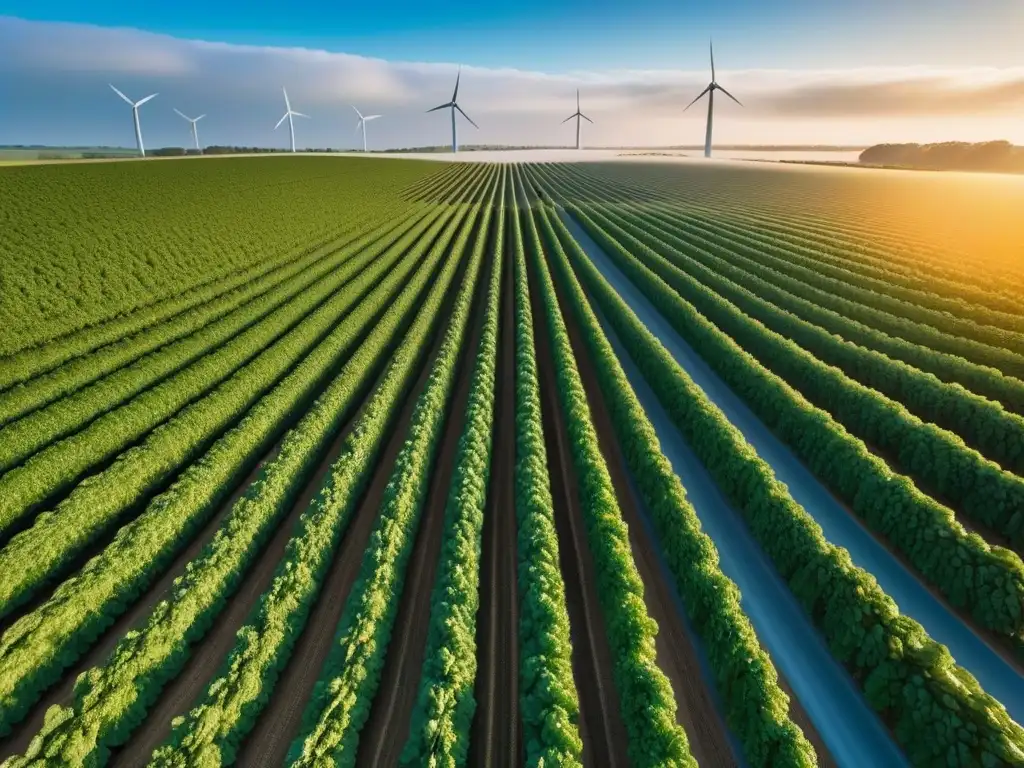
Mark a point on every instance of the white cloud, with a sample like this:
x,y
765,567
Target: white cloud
x,y
240,87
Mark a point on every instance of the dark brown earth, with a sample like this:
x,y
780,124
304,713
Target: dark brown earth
x,y
603,732
386,730
279,723
496,736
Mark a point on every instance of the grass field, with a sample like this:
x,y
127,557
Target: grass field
x,y
326,461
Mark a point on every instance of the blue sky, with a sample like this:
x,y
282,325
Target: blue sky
x,y
808,72
559,36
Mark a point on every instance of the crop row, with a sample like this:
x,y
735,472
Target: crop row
x,y
82,260
344,693
799,251
35,555
112,699
548,701
936,459
647,700
936,330
300,323
828,221
78,372
21,439
445,703
725,256
987,581
38,646
937,710
756,708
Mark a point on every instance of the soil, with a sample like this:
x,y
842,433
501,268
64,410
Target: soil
x,y
604,735
281,719
496,736
385,732
676,650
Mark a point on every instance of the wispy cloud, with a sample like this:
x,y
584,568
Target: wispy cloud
x,y
71,63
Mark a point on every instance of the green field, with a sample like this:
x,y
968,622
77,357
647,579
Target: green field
x,y
324,461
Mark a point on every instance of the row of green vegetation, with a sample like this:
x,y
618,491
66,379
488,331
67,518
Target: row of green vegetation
x,y
988,582
911,681
34,556
80,249
342,697
744,675
112,699
445,704
937,460
549,702
647,702
50,638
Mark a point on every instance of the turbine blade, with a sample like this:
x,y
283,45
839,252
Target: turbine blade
x,y
730,95
698,98
359,124
467,117
281,120
711,47
122,95
198,118
358,112
577,99
586,118
455,95
287,104
299,114
443,106
372,117
570,117
184,115
140,102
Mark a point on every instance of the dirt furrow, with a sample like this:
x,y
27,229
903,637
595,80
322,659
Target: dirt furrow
x,y
279,722
496,737
384,734
604,734
135,618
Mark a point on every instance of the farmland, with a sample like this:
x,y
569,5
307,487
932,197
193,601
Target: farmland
x,y
324,461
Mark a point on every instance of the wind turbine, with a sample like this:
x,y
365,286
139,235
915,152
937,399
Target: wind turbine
x,y
453,105
578,115
193,120
362,124
710,91
289,114
135,113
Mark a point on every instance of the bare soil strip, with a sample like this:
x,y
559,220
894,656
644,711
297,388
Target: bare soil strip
x,y
384,735
188,686
279,723
605,740
496,737
677,653
678,656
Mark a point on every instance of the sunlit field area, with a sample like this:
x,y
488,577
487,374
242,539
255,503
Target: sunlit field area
x,y
334,461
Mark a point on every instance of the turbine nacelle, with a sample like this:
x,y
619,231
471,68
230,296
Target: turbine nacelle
x,y
453,105
135,116
288,115
710,92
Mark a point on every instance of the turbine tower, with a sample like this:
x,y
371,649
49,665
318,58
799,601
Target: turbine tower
x,y
453,105
289,114
577,115
193,120
362,124
135,114
710,91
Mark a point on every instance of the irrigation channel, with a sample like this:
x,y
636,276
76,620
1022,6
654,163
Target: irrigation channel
x,y
851,730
